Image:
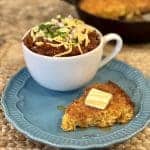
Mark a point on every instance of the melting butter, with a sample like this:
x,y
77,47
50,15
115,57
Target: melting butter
x,y
98,99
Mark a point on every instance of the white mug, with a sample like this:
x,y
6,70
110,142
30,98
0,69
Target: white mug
x,y
68,73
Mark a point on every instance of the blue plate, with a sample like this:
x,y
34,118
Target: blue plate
x,y
33,110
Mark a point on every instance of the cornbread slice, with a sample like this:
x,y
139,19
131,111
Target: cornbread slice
x,y
119,110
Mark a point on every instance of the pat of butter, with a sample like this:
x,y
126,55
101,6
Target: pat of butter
x,y
98,99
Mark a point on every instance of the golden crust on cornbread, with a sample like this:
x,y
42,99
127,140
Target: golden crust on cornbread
x,y
119,110
116,9
142,5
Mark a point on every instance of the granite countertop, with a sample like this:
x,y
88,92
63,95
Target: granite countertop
x,y
18,16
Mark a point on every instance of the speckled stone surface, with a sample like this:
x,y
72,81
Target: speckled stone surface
x,y
18,16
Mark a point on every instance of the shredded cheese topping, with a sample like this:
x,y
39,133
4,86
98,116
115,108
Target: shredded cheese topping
x,y
63,31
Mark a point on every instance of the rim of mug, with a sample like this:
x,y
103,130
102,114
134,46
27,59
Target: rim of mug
x,y
64,57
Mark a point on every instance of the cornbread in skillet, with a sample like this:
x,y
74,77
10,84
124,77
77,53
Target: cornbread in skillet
x,y
116,9
119,110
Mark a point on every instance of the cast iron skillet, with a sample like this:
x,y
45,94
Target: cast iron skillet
x,y
134,31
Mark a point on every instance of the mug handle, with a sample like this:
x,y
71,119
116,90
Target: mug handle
x,y
116,50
